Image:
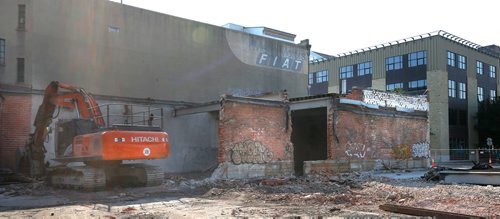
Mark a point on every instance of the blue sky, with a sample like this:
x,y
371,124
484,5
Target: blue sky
x,y
334,27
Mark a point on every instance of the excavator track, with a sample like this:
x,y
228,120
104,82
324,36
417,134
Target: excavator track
x,y
84,177
141,174
92,178
154,175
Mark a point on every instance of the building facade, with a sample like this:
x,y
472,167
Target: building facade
x,y
129,55
456,74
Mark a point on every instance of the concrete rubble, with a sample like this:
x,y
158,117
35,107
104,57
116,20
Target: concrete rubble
x,y
326,195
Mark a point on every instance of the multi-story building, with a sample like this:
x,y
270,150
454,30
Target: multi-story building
x,y
456,74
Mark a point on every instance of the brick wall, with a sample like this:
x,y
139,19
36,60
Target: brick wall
x,y
366,135
15,126
254,134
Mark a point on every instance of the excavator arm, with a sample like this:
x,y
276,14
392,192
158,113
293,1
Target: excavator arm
x,y
31,157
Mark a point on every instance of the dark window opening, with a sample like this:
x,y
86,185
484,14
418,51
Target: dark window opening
x,y
2,52
20,70
21,25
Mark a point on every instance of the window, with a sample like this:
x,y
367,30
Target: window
x,y
346,72
480,94
390,87
461,62
462,91
321,76
2,52
452,90
417,58
364,68
417,84
394,63
493,95
21,13
493,71
311,78
479,67
20,70
451,59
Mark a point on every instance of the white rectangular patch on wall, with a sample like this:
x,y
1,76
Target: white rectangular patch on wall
x,y
112,29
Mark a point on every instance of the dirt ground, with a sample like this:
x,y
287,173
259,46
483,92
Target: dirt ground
x,y
344,195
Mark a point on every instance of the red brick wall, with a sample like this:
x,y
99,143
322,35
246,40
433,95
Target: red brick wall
x,y
370,137
251,133
15,126
355,94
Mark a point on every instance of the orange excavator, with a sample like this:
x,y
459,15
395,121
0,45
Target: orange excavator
x,y
87,139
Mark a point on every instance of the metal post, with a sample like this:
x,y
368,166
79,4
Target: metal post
x,y
132,113
161,117
143,118
107,115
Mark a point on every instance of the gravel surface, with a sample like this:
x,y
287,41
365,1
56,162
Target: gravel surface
x,y
344,195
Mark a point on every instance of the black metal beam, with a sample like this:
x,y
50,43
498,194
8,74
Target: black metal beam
x,y
424,212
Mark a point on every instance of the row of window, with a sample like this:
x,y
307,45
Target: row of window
x,y
417,58
452,89
411,85
414,59
480,69
462,91
417,84
364,68
321,76
453,58
390,87
480,94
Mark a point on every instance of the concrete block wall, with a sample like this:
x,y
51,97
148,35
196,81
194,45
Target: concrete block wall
x,y
15,124
254,140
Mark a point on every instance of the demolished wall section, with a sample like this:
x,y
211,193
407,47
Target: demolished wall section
x,y
254,140
15,117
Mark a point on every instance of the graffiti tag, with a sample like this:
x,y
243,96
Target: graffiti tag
x,y
420,149
385,99
355,150
249,151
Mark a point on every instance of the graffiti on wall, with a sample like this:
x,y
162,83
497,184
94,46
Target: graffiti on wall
x,y
357,150
253,152
385,99
420,149
242,92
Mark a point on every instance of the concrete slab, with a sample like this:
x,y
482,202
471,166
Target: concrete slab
x,y
403,175
479,177
22,202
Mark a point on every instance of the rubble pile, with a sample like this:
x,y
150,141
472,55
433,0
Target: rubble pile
x,y
345,191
